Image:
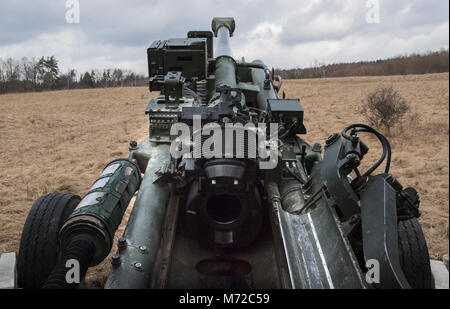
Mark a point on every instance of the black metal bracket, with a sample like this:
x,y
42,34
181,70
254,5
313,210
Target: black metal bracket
x,y
379,231
170,84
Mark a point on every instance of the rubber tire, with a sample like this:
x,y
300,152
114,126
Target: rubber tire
x,y
38,251
414,257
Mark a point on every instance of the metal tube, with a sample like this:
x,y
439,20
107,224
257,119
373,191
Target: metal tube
x,y
142,236
291,194
223,42
225,73
100,212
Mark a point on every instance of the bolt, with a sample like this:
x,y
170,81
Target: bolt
x,y
213,181
122,242
354,139
143,248
317,147
354,219
115,260
133,144
138,266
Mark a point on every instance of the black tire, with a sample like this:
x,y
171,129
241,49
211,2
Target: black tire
x,y
414,257
38,251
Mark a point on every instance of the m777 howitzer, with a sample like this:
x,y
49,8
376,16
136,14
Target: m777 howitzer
x,y
231,196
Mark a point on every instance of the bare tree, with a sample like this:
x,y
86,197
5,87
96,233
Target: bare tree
x,y
44,74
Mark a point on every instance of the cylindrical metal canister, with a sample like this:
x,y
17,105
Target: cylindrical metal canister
x,y
100,212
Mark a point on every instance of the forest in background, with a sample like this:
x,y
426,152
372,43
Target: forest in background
x,y
27,75
431,62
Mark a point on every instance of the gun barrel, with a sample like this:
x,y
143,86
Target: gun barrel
x,y
225,73
223,42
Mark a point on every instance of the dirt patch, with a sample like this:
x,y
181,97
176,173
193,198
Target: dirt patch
x,y
60,142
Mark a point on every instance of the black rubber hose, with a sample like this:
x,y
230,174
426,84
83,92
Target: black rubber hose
x,y
386,149
383,140
80,249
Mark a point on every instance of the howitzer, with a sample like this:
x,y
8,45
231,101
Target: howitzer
x,y
231,196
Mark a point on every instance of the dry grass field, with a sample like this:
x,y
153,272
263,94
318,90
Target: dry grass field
x,y
60,142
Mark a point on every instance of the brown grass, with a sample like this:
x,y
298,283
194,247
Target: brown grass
x,y
60,141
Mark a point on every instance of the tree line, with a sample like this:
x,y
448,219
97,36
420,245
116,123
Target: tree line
x,y
44,74
26,75
431,62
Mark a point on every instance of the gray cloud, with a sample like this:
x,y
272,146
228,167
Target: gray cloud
x,y
284,33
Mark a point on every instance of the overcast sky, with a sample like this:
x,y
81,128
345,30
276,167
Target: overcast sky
x,y
286,33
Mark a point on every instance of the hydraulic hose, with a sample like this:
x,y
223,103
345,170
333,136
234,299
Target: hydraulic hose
x,y
80,249
383,140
